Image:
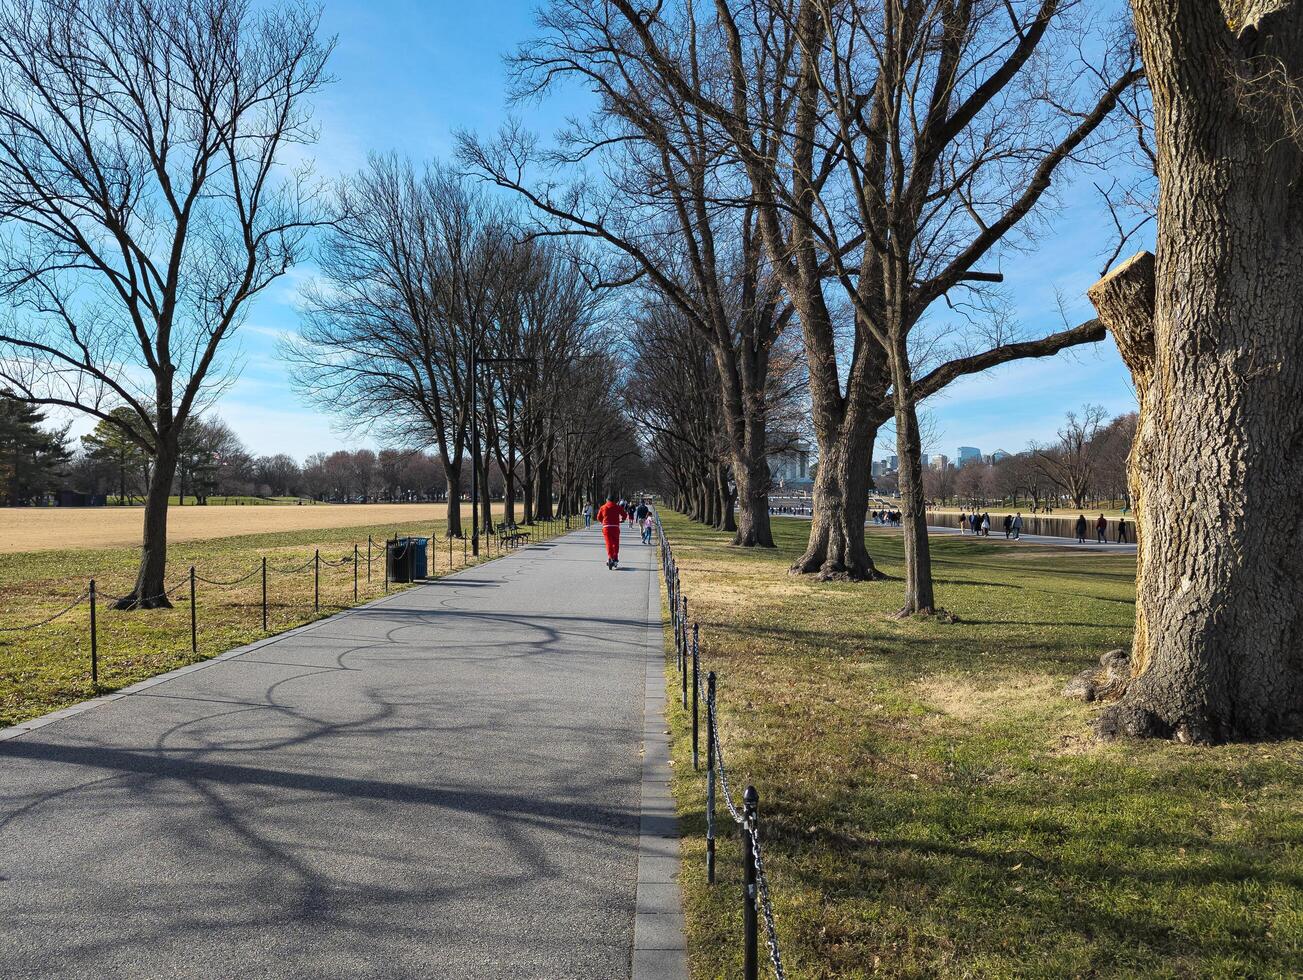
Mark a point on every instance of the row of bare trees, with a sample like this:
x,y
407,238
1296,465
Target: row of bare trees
x,y
886,159
436,322
849,168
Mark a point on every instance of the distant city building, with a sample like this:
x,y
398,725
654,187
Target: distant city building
x,y
940,461
878,468
998,455
968,454
893,463
924,459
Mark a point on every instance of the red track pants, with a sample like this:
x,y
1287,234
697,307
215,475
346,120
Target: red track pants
x,y
611,532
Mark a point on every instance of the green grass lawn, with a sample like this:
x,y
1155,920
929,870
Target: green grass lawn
x,y
932,807
47,668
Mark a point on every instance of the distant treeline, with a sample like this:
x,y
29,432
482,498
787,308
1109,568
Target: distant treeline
x,y
40,464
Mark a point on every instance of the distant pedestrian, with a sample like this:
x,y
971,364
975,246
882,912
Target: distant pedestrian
x,y
647,528
1101,530
1081,529
1122,530
588,515
1008,525
986,525
1017,526
963,522
975,520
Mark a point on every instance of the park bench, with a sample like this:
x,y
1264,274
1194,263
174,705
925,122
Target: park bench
x,y
510,536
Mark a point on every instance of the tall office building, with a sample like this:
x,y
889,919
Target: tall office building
x,y
968,454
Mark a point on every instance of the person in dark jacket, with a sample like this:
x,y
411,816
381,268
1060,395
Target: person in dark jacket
x,y
1008,525
1081,529
1101,530
1122,530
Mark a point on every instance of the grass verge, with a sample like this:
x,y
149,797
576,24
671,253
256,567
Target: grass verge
x,y
932,807
48,668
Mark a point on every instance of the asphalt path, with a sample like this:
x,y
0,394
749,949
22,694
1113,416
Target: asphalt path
x,y
443,784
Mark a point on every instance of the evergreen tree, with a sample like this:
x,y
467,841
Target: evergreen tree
x,y
109,443
32,459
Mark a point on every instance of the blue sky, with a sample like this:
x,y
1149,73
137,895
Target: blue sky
x,y
408,74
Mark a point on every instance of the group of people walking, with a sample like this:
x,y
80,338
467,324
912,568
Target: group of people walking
x,y
885,516
980,524
1101,530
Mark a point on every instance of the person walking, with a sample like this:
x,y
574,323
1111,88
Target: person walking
x,y
1122,530
1081,529
963,522
1101,530
641,511
986,524
647,526
976,521
611,515
1017,526
588,515
1008,525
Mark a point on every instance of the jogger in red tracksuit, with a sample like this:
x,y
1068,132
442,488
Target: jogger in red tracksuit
x,y
611,515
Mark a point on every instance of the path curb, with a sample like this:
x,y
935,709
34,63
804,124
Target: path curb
x,y
660,950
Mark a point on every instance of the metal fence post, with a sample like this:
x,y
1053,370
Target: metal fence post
x,y
710,778
94,641
355,573
750,964
683,674
696,668
194,634
316,581
368,559
264,595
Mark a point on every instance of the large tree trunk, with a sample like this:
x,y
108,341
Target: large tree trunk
x,y
1217,461
751,474
452,473
913,505
727,498
148,591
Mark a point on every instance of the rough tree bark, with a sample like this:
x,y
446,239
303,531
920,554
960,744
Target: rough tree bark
x,y
1218,463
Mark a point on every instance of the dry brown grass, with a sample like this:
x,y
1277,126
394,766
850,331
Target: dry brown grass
x,y
46,528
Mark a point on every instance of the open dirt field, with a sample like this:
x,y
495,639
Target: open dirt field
x,y
44,528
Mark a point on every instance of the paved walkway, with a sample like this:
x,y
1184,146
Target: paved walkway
x,y
444,784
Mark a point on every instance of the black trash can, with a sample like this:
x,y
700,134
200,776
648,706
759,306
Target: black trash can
x,y
408,559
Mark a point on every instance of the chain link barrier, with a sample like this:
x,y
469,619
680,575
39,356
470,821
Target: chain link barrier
x,y
751,827
235,581
180,589
50,619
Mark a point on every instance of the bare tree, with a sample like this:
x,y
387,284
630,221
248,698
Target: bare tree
x,y
139,149
1071,462
1212,331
